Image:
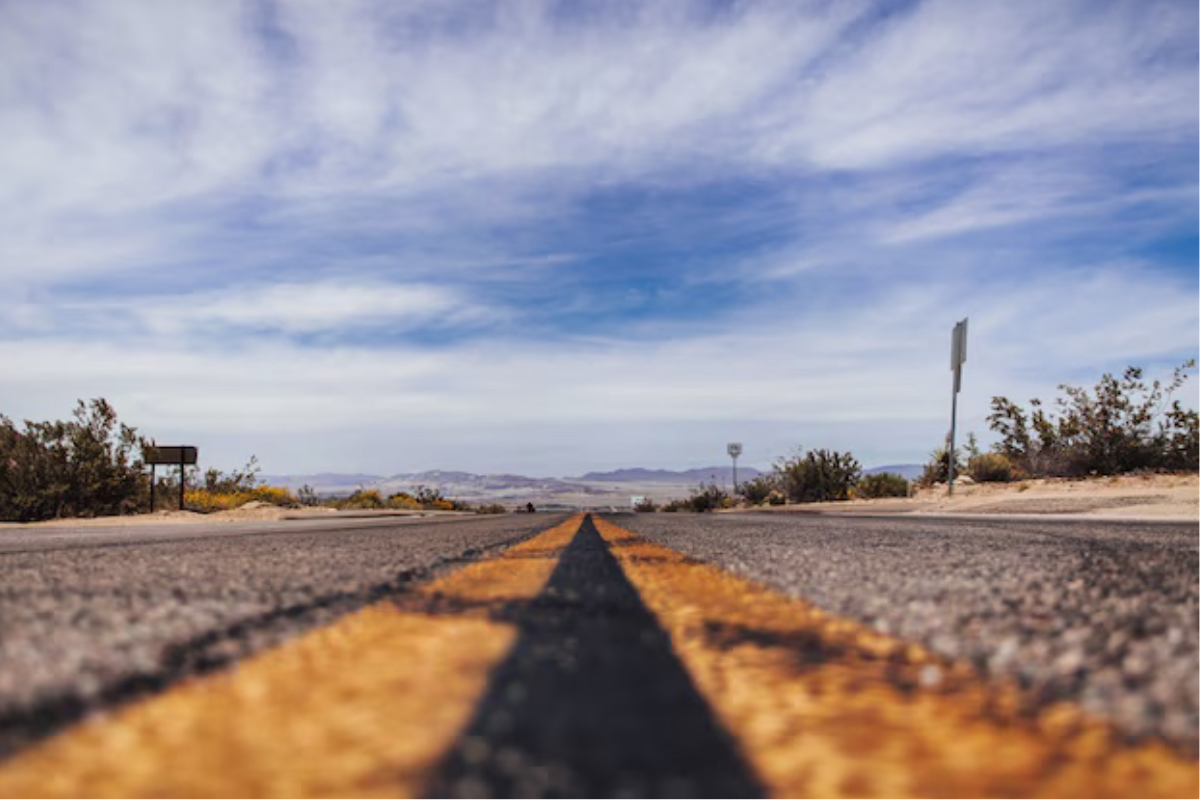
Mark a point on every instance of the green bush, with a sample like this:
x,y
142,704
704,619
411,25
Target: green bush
x,y
361,499
937,469
709,497
1122,425
990,468
672,506
85,467
818,475
882,484
758,491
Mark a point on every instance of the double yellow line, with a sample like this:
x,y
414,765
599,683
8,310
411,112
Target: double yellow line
x,y
370,705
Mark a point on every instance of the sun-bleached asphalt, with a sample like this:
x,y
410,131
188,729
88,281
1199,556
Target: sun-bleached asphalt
x,y
1099,613
94,617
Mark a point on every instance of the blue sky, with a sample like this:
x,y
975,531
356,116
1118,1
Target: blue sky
x,y
554,237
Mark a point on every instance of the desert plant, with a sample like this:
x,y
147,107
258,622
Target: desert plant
x,y
882,484
404,501
1122,425
937,469
646,506
990,468
206,501
818,475
307,496
491,508
758,490
361,499
87,466
708,497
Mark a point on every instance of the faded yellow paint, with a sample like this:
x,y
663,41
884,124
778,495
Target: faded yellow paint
x,y
823,706
363,707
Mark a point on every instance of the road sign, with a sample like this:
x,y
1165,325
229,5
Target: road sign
x,y
958,345
735,450
172,454
181,455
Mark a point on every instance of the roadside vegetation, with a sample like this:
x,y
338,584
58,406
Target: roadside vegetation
x,y
91,466
1122,425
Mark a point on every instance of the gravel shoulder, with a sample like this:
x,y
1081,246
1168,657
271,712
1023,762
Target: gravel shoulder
x,y
1100,613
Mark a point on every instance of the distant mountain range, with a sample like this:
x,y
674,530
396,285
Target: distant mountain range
x,y
639,475
507,487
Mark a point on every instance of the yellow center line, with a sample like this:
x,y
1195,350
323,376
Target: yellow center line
x,y
823,706
363,707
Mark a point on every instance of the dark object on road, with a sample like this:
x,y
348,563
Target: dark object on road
x,y
529,507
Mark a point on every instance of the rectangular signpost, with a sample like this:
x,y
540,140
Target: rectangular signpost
x,y
958,354
182,455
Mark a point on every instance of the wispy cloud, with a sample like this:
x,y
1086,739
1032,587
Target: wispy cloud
x,y
643,215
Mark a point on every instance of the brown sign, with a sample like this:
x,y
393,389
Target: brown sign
x,y
174,454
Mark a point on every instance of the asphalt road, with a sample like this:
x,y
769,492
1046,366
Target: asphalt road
x,y
92,617
1100,613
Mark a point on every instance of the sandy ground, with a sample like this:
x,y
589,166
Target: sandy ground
x,y
1165,497
1140,497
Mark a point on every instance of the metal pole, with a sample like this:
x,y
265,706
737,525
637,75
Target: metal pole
x,y
152,482
735,474
181,479
953,420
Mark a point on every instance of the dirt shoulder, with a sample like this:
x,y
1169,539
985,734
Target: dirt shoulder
x,y
1135,497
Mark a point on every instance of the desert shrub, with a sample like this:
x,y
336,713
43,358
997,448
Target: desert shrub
x,y
937,469
646,506
404,501
758,490
671,506
491,508
709,497
1122,425
361,499
818,475
87,466
206,501
427,496
990,468
776,498
882,484
307,496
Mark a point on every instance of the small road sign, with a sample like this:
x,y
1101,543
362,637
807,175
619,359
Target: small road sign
x,y
172,454
183,455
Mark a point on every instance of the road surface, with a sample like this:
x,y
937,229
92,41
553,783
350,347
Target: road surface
x,y
656,655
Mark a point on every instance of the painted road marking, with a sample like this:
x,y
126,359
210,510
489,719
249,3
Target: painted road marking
x,y
363,707
826,707
394,700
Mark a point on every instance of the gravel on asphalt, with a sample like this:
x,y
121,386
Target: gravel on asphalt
x,y
98,618
1099,613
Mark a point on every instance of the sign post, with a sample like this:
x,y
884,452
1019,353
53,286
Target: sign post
x,y
172,454
958,355
734,449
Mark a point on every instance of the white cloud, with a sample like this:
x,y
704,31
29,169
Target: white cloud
x,y
342,169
